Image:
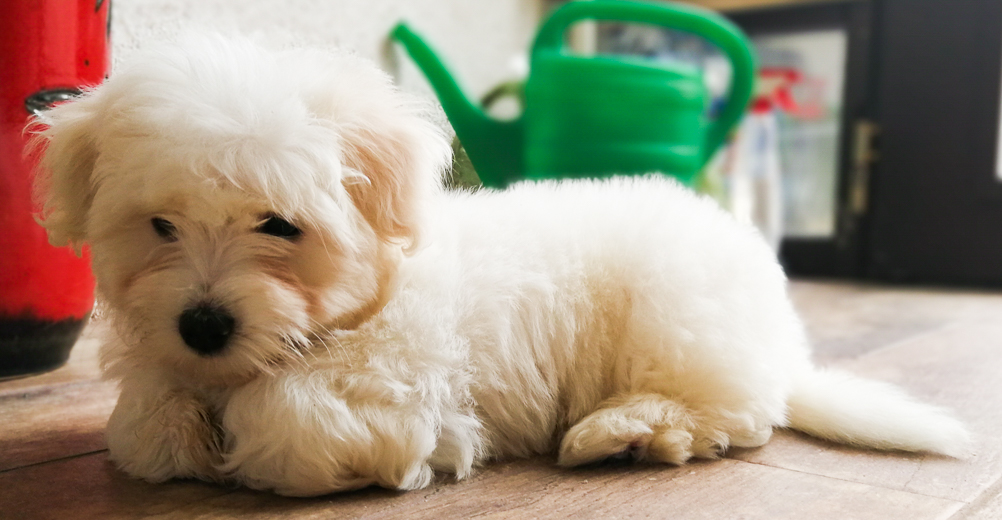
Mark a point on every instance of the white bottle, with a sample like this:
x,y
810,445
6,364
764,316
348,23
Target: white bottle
x,y
754,179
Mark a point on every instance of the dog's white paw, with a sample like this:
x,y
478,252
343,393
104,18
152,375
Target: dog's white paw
x,y
174,438
604,435
417,477
644,427
295,437
752,437
654,428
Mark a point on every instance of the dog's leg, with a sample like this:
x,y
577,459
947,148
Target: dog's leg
x,y
656,428
157,433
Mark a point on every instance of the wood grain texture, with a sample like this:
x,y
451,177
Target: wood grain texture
x,y
521,489
88,487
847,320
954,365
987,507
46,425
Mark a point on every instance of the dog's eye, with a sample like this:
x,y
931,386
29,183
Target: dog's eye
x,y
278,227
164,228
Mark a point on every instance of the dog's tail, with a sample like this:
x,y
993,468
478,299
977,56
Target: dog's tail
x,y
844,408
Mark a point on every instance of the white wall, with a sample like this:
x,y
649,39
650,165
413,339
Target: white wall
x,y
479,38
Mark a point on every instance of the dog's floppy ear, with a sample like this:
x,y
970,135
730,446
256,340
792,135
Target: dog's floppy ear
x,y
64,137
402,161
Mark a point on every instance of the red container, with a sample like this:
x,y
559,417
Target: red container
x,y
49,49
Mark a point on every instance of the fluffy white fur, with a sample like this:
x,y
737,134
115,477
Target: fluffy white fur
x,y
409,329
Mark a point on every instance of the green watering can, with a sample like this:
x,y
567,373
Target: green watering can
x,y
597,116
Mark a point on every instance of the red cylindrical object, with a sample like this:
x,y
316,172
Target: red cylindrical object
x,y
49,49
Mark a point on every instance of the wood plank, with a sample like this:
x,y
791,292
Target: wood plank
x,y
62,421
987,507
90,487
535,489
848,320
958,368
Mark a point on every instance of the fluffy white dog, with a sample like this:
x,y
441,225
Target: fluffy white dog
x,y
298,306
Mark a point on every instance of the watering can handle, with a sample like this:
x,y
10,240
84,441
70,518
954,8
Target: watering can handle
x,y
701,22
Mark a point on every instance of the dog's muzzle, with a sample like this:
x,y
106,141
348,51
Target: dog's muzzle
x,y
206,328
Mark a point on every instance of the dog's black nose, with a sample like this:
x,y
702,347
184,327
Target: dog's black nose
x,y
206,328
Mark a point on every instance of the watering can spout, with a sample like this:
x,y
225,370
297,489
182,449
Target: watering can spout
x,y
495,146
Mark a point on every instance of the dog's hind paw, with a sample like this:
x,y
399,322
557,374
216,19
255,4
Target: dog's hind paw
x,y
600,437
417,477
643,427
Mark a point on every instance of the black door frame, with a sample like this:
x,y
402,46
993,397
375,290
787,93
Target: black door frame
x,y
937,216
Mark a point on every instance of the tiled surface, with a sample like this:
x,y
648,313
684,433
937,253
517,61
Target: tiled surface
x,y
943,346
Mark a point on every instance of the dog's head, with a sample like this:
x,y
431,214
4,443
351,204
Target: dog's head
x,y
238,201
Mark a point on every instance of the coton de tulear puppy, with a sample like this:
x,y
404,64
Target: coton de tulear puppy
x,y
297,305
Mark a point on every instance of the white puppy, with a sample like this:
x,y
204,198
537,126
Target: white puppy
x,y
298,306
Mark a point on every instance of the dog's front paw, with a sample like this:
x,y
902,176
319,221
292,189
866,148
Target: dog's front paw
x,y
192,435
169,436
297,438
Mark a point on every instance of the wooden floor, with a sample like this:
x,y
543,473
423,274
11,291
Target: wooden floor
x,y
943,346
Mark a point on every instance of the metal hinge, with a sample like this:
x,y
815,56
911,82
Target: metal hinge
x,y
864,154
